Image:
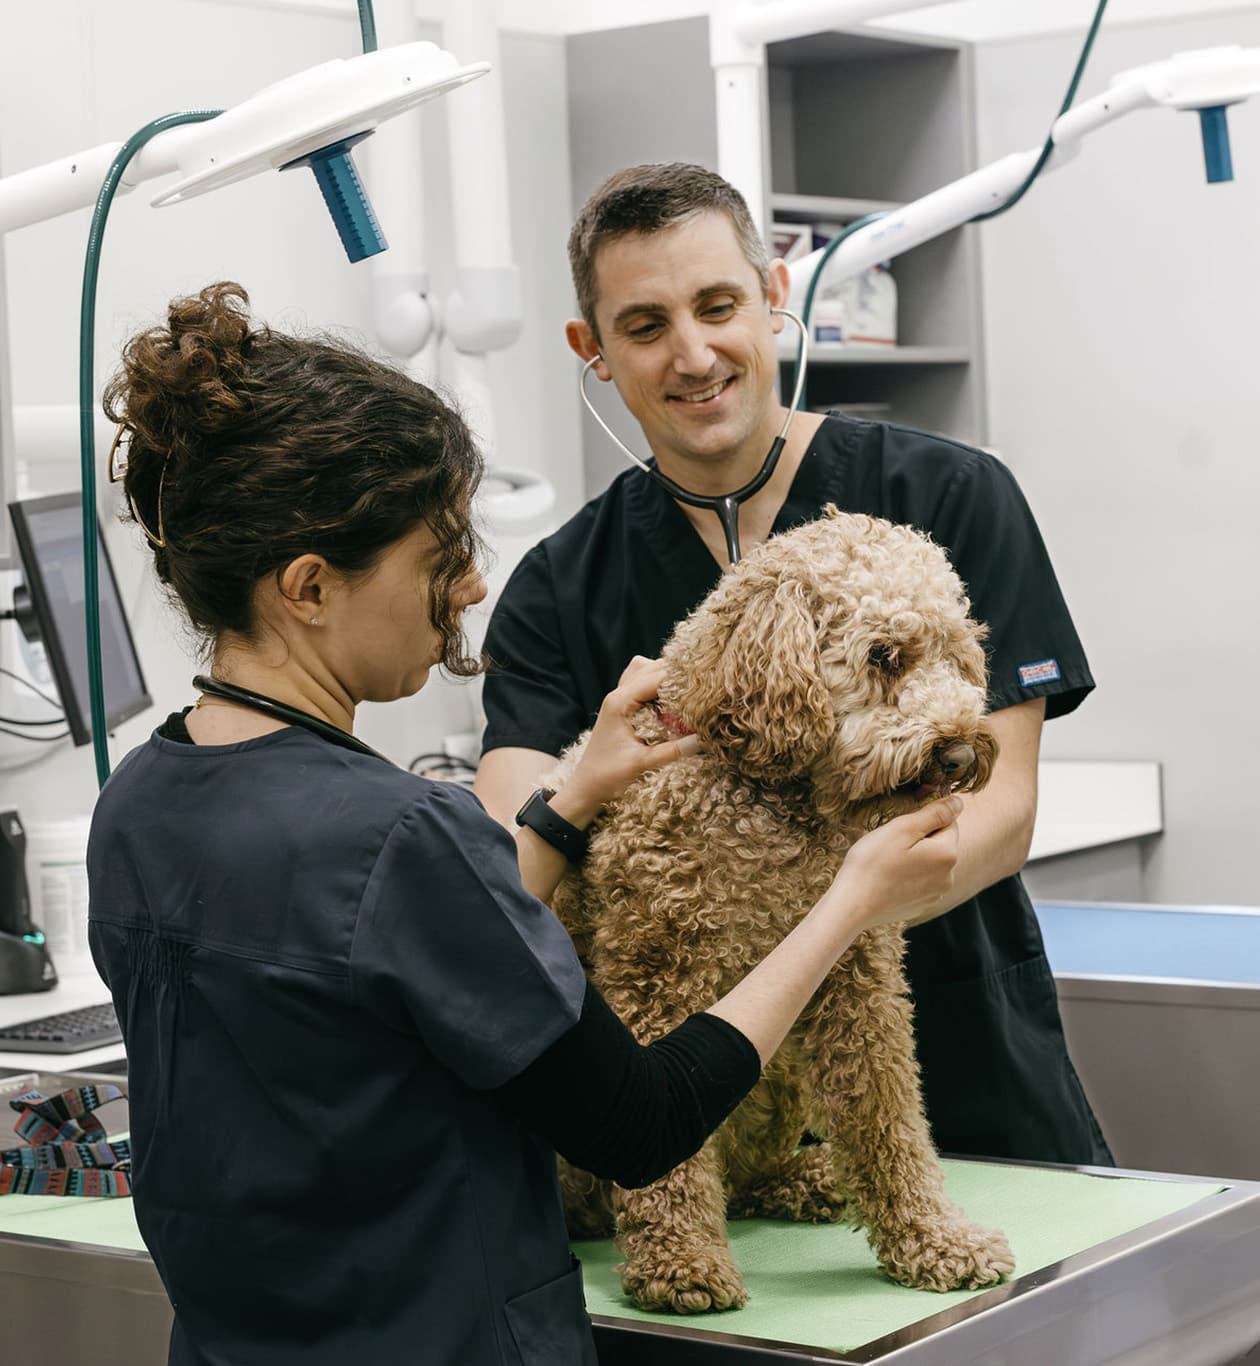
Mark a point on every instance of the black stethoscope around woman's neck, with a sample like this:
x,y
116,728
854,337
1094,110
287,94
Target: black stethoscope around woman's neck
x,y
726,505
281,711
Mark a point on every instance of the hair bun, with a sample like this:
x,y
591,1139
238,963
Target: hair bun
x,y
185,379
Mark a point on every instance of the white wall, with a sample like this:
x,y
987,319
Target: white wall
x,y
74,73
1120,301
981,21
973,20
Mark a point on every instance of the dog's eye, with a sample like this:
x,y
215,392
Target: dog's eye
x,y
885,658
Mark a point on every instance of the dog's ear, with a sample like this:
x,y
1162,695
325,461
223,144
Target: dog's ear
x,y
751,678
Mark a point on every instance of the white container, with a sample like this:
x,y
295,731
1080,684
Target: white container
x,y
56,871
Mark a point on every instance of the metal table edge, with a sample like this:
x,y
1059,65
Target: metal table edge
x,y
1229,1194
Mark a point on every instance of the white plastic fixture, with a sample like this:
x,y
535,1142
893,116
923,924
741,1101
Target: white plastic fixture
x,y
329,103
334,102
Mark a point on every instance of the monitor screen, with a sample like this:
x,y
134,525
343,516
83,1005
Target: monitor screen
x,y
7,472
49,538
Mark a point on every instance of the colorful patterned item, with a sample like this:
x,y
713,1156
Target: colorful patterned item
x,y
65,1151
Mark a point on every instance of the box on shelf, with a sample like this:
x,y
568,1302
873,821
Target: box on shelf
x,y
791,241
857,310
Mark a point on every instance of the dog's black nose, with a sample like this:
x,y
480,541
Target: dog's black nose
x,y
955,757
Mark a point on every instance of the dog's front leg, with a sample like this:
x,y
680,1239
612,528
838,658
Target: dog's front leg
x,y
673,1232
861,1037
673,1235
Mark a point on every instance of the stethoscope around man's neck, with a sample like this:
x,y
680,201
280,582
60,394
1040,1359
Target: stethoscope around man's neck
x,y
726,505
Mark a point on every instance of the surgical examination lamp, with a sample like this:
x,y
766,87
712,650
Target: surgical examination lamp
x,y
310,119
1205,82
313,118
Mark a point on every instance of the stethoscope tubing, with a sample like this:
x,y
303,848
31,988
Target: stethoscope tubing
x,y
725,505
281,711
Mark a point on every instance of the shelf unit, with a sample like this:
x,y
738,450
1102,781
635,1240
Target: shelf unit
x,y
856,123
861,123
873,354
809,208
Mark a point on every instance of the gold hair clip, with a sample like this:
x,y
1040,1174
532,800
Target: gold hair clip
x,y
118,470
117,463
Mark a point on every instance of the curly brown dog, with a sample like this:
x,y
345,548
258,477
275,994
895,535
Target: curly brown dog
x,y
836,680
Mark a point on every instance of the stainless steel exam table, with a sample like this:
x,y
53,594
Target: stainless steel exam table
x,y
1161,1007
1123,1267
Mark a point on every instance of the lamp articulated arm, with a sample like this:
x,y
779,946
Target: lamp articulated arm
x,y
1205,82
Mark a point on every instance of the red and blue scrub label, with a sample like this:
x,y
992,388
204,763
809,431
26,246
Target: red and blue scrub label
x,y
1043,671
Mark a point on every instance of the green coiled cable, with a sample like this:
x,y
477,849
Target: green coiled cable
x,y
87,435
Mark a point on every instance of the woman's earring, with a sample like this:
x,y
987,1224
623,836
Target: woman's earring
x,y
314,621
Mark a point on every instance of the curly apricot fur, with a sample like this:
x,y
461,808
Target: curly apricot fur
x,y
829,672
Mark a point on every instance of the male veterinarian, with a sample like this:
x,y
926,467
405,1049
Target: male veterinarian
x,y
676,293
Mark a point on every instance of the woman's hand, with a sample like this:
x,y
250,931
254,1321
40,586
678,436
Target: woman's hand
x,y
614,755
901,870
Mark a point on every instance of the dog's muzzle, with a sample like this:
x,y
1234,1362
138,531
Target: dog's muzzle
x,y
955,760
951,764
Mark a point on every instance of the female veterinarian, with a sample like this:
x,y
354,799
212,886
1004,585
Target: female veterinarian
x,y
356,1036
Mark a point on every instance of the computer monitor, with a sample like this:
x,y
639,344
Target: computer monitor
x,y
7,460
48,533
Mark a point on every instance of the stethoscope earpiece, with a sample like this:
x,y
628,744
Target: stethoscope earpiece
x,y
726,505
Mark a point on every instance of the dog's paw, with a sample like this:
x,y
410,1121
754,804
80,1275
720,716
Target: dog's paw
x,y
698,1282
954,1256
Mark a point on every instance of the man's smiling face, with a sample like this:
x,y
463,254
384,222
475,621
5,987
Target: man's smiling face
x,y
687,335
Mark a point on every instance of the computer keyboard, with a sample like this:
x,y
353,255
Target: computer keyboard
x,y
72,1031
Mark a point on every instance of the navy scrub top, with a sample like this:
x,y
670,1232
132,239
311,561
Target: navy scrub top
x,y
323,965
616,578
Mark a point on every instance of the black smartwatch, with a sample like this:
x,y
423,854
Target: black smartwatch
x,y
551,826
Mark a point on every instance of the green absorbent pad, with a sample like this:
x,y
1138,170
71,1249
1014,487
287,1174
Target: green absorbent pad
x,y
819,1285
102,1223
813,1284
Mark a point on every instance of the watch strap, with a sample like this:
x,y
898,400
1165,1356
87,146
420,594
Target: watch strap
x,y
549,825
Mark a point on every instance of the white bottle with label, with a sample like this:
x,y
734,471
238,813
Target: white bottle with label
x,y
56,871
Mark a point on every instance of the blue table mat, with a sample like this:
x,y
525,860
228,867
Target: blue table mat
x,y
1123,940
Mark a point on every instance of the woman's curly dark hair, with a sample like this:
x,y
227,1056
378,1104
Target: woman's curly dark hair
x,y
266,446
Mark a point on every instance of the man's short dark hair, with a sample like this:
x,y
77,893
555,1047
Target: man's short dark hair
x,y
645,199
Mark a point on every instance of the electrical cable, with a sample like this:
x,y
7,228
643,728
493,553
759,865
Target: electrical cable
x,y
87,333
1046,150
1081,63
367,25
26,683
36,739
451,764
26,721
87,436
